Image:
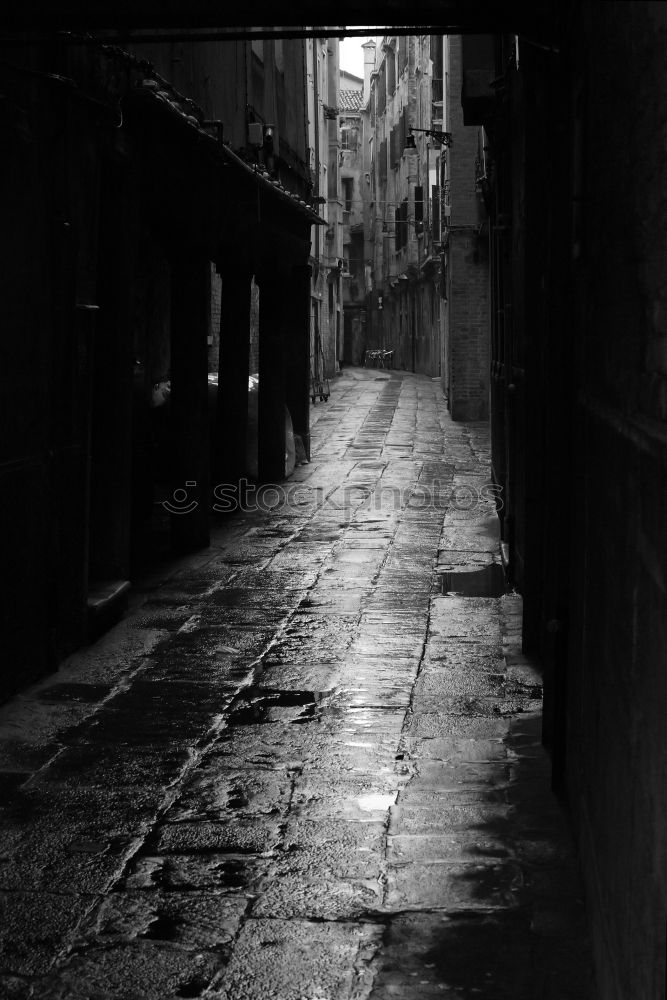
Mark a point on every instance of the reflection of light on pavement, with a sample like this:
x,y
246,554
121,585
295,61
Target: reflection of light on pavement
x,y
375,801
360,717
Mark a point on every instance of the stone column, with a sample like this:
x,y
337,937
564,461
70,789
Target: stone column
x,y
273,303
229,445
190,304
297,347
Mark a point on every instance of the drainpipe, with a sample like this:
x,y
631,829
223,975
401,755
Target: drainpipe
x,y
316,138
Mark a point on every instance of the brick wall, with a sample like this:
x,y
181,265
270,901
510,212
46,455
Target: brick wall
x,y
467,206
468,347
468,329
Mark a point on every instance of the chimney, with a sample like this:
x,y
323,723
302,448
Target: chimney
x,y
369,67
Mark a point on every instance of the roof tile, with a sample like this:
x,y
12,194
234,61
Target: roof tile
x,y
350,100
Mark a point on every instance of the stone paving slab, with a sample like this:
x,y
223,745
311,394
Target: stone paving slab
x,y
297,770
300,959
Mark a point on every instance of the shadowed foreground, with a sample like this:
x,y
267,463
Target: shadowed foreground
x,y
297,769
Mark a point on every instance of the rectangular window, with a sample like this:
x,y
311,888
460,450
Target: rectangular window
x,y
391,72
401,223
403,43
349,137
348,191
382,89
332,185
419,209
404,128
393,156
419,203
435,198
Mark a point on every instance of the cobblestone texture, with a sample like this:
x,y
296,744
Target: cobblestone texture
x,y
298,770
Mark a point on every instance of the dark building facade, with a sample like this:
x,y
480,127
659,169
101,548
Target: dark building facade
x,y
465,367
575,186
132,177
425,248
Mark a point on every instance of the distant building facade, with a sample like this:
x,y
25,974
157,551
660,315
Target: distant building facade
x,y
326,258
352,194
426,282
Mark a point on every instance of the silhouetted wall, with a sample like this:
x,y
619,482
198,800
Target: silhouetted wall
x,y
578,239
617,674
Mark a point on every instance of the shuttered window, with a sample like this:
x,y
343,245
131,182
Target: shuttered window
x,y
435,197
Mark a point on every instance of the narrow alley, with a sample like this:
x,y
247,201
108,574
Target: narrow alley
x,y
304,766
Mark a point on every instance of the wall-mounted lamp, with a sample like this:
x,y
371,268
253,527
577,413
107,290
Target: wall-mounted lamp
x,y
444,138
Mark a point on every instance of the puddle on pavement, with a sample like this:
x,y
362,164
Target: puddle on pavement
x,y
163,928
231,874
193,988
489,581
257,706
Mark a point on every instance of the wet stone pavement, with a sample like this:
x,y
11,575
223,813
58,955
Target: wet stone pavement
x,y
298,769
